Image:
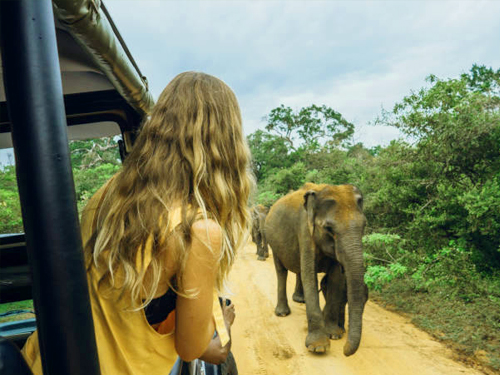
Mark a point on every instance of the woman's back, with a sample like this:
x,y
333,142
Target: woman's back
x,y
175,214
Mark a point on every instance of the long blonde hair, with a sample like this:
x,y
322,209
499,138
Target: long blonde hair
x,y
191,153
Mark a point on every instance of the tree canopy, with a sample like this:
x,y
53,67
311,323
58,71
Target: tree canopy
x,y
311,128
438,184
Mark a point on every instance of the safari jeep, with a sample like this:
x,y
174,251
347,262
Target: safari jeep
x,y
66,74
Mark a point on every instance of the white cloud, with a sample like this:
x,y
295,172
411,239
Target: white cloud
x,y
355,56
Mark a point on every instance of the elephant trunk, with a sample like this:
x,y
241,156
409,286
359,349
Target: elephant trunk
x,y
356,296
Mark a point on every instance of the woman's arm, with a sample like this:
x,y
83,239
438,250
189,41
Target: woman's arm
x,y
194,326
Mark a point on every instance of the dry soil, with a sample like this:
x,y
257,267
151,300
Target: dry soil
x,y
266,344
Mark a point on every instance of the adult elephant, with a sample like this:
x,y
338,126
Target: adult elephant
x,y
319,229
259,214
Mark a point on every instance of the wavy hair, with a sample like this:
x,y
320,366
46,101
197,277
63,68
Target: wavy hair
x,y
190,153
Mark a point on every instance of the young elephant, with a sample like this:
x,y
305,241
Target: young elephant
x,y
319,229
259,213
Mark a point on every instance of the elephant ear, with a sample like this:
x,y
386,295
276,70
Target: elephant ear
x,y
310,206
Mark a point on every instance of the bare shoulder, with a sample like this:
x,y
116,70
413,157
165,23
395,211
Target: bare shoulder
x,y
207,234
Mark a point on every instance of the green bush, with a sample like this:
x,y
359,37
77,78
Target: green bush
x,y
88,181
267,198
288,179
380,248
10,206
378,276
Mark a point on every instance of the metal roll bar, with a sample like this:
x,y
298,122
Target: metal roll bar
x,y
36,109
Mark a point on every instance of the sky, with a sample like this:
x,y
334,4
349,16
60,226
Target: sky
x,y
357,57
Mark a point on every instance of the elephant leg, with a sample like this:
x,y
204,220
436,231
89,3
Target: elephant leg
x,y
262,231
265,247
256,240
254,234
260,248
335,292
282,308
317,340
298,295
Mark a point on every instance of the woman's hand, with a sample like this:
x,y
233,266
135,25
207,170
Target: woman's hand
x,y
215,352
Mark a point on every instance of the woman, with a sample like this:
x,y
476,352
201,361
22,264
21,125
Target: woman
x,y
172,218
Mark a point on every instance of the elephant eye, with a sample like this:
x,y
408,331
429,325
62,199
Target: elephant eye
x,y
329,229
360,202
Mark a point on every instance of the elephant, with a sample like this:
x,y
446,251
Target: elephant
x,y
259,213
319,228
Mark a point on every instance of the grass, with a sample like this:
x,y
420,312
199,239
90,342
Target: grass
x,y
13,306
470,326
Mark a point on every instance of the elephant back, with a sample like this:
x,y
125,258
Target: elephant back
x,y
294,201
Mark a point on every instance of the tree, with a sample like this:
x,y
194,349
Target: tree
x,y
269,152
453,167
455,123
311,128
94,161
93,152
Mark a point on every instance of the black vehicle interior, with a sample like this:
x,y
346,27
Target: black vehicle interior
x,y
89,115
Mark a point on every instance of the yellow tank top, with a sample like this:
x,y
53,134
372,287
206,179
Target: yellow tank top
x,y
126,343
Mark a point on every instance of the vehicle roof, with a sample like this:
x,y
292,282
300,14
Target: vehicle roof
x,y
95,62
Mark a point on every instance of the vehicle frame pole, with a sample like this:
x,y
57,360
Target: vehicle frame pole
x,y
33,86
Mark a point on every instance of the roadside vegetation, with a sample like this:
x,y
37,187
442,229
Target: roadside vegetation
x,y
432,199
16,311
94,162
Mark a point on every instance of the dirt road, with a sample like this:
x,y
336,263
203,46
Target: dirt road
x,y
266,344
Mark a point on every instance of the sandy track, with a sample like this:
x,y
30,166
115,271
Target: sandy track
x,y
266,344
